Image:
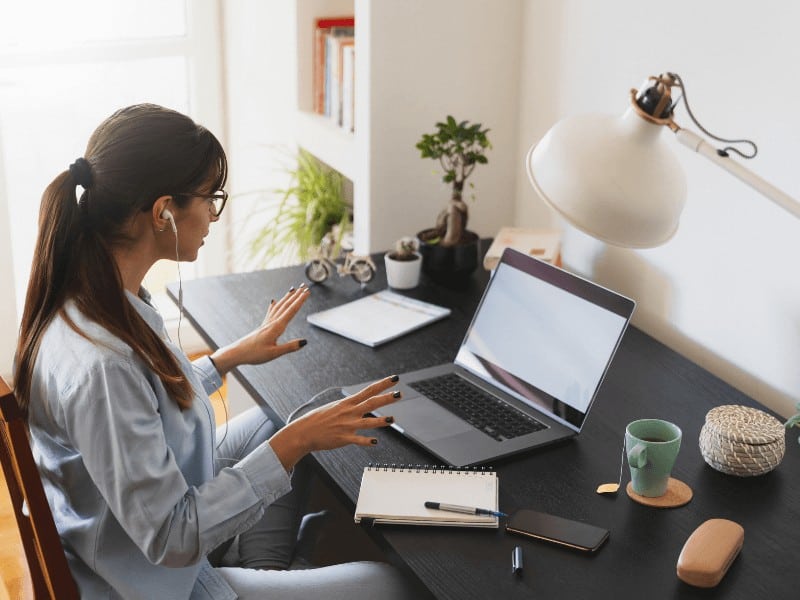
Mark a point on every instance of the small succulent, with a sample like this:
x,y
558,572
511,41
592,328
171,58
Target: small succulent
x,y
404,249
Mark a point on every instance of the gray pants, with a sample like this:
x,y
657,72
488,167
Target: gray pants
x,y
270,543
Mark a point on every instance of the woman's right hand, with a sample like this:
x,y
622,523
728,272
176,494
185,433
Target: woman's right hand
x,y
335,424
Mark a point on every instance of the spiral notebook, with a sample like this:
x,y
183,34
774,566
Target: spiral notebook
x,y
397,495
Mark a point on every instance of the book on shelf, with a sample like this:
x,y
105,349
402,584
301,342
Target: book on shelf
x,y
348,88
392,494
331,35
345,44
333,80
540,243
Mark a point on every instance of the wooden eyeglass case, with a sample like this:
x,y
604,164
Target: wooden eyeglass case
x,y
709,552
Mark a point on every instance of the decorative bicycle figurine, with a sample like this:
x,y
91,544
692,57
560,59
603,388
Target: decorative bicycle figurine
x,y
319,268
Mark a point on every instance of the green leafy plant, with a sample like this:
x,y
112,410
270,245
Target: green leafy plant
x,y
309,208
459,147
794,421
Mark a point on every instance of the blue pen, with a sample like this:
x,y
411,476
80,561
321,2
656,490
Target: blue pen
x,y
464,509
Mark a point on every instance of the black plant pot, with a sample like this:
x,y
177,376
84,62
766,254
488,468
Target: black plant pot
x,y
453,265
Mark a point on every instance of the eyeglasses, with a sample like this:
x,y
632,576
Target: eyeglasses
x,y
216,200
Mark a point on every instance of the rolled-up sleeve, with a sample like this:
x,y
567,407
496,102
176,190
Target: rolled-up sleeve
x,y
113,420
208,374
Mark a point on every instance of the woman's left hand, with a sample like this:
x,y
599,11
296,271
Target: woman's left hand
x,y
262,345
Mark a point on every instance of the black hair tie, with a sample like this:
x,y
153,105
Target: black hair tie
x,y
81,172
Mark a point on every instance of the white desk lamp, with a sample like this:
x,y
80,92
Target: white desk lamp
x,y
616,179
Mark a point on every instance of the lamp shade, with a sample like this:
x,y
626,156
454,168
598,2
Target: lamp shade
x,y
615,178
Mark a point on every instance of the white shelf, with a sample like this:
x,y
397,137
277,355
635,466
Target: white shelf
x,y
330,143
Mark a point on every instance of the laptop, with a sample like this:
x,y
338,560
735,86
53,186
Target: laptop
x,y
527,372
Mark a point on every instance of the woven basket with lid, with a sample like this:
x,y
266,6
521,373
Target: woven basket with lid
x,y
742,441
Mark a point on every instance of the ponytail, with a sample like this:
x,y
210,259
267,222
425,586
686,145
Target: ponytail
x,y
59,222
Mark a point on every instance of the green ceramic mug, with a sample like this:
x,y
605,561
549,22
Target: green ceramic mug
x,y
652,446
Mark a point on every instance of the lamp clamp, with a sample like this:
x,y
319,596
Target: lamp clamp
x,y
654,101
654,104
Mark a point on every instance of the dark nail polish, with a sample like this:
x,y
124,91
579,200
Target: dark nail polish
x,y
374,441
390,419
395,378
272,301
303,343
291,289
396,394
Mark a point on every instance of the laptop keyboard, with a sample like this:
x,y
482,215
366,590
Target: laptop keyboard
x,y
483,411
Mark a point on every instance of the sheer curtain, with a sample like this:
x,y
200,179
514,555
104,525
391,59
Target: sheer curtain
x,y
64,67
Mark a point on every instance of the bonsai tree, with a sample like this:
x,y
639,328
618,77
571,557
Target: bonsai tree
x,y
458,147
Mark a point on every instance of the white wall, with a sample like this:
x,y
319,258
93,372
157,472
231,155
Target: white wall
x,y
8,322
724,290
427,60
260,102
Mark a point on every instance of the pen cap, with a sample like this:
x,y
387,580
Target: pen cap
x,y
516,560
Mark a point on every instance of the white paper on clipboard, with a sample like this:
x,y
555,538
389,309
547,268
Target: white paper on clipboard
x,y
378,318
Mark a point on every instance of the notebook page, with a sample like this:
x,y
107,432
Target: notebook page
x,y
398,496
378,318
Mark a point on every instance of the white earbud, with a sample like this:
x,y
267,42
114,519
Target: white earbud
x,y
166,214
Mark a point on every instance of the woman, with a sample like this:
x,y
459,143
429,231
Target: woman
x,y
144,497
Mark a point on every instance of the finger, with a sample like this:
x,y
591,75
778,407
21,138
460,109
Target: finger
x,y
370,404
372,389
375,422
286,348
269,310
362,440
288,309
276,306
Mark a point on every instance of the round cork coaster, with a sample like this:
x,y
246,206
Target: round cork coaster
x,y
677,494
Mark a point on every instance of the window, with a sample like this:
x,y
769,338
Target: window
x,y
61,74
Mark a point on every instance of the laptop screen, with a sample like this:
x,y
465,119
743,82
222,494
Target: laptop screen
x,y
545,336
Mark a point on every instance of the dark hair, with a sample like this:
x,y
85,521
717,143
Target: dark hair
x,y
135,156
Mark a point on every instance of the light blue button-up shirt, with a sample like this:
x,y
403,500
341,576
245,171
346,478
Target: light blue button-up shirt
x,y
129,476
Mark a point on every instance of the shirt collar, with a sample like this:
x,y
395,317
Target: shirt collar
x,y
145,309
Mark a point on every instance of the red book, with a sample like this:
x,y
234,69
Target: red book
x,y
327,23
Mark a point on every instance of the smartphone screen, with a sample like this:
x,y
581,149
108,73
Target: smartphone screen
x,y
558,530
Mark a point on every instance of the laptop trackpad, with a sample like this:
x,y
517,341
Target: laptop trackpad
x,y
425,420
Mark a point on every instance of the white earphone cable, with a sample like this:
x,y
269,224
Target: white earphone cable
x,y
180,286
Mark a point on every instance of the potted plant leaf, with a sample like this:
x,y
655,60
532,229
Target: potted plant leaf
x,y
450,251
310,207
794,421
403,264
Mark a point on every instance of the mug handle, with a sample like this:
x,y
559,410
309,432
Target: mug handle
x,y
637,456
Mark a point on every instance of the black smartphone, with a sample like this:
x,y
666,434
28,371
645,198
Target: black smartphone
x,y
558,530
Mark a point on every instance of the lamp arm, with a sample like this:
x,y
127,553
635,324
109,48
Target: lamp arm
x,y
697,144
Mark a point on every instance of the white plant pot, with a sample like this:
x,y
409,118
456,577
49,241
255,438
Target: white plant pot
x,y
403,274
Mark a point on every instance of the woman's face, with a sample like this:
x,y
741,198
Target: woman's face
x,y
192,222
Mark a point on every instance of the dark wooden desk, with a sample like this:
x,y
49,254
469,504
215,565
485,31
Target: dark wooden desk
x,y
646,380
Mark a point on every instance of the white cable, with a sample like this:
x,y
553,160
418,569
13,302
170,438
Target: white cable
x,y
180,289
308,403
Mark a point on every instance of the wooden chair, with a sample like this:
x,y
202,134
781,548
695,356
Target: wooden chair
x,y
50,574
